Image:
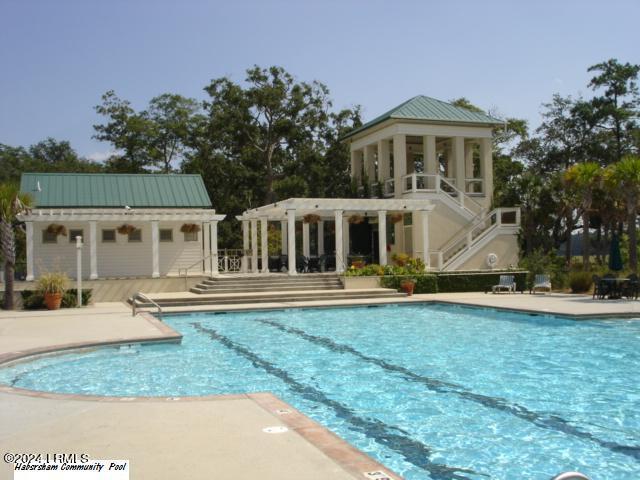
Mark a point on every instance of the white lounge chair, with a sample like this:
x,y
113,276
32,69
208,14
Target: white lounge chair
x,y
542,281
506,283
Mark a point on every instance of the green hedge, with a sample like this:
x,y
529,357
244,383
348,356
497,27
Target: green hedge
x,y
424,283
34,300
454,282
476,282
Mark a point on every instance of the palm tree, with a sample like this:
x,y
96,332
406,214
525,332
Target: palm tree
x,y
625,176
12,203
584,178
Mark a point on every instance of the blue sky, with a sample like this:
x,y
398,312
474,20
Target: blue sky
x,y
58,57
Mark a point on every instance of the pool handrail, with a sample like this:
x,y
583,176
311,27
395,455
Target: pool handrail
x,y
570,476
142,296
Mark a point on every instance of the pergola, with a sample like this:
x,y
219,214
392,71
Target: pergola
x,y
336,209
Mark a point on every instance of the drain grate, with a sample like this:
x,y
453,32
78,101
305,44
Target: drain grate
x,y
277,429
377,475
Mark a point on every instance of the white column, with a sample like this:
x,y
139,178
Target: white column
x,y
321,237
29,234
214,247
283,237
383,160
424,217
245,246
429,155
79,271
93,249
339,247
291,241
155,248
486,168
356,165
305,239
345,241
254,245
382,237
264,243
369,165
458,155
206,244
468,159
399,163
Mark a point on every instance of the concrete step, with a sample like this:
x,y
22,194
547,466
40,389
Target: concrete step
x,y
273,281
202,289
186,299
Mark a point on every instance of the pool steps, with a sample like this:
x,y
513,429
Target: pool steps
x,y
234,290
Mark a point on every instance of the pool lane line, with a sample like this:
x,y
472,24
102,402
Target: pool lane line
x,y
550,422
394,438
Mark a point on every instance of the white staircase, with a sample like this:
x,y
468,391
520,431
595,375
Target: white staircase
x,y
472,238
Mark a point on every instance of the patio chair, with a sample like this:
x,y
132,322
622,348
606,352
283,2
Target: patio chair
x,y
507,283
542,281
598,287
631,287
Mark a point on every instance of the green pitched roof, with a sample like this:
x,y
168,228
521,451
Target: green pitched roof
x,y
429,109
103,190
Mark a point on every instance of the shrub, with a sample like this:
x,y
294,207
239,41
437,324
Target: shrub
x,y
476,282
54,282
424,283
540,262
34,300
580,282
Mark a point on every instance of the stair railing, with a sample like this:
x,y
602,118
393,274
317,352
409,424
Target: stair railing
x,y
469,236
135,307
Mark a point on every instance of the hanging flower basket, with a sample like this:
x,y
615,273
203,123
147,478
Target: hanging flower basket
x,y
356,219
311,218
396,217
190,228
55,229
125,229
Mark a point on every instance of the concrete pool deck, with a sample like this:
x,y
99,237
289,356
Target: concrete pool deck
x,y
205,437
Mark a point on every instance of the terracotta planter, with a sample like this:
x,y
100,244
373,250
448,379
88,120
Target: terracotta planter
x,y
53,300
407,287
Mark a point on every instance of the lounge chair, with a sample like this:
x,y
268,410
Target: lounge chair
x,y
542,281
507,283
598,287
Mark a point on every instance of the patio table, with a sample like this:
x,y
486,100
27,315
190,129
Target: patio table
x,y
614,286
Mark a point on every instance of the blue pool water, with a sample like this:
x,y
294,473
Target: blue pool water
x,y
433,392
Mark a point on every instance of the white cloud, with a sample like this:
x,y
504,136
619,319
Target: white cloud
x,y
101,156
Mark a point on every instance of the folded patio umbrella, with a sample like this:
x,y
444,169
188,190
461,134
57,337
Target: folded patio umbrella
x,y
615,257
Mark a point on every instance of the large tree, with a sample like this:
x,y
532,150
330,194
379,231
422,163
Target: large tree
x,y
585,178
617,106
12,203
274,115
625,178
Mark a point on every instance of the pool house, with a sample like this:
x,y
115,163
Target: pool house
x,y
131,225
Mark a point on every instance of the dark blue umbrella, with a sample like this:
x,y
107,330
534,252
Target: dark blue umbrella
x,y
615,257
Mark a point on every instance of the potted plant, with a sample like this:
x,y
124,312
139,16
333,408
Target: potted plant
x,y
407,285
57,230
190,228
355,219
53,285
126,229
311,218
396,217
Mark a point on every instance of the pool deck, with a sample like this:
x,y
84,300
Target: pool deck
x,y
205,437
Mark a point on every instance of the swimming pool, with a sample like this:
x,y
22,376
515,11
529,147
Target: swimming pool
x,y
432,391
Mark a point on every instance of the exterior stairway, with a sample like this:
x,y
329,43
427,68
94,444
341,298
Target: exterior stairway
x,y
268,283
266,288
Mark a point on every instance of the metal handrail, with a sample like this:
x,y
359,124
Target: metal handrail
x,y
570,476
198,262
142,296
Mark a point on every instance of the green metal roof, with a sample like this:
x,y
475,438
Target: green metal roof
x,y
432,110
103,190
